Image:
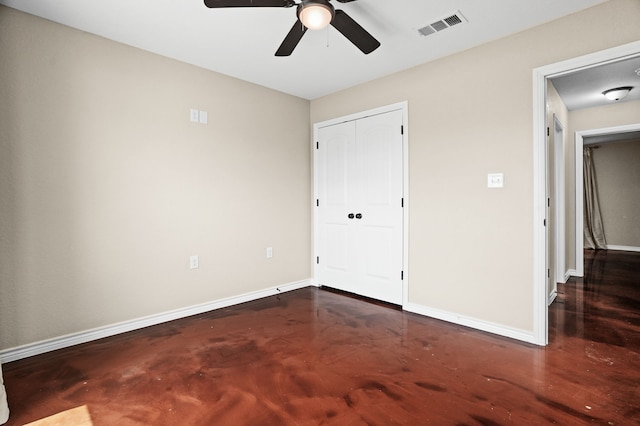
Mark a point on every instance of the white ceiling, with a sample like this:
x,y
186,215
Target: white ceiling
x,y
583,89
611,138
241,42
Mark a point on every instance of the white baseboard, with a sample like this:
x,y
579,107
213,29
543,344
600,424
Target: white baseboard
x,y
37,348
623,248
489,327
552,297
573,273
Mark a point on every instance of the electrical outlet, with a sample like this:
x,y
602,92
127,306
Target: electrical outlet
x,y
269,252
194,115
194,262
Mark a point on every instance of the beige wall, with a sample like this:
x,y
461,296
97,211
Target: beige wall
x,y
107,188
471,248
618,114
618,172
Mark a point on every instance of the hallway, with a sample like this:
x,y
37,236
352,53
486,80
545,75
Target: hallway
x,y
312,357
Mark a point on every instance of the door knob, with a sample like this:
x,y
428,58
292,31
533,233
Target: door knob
x,y
350,215
359,216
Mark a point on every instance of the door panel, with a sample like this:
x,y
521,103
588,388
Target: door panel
x,y
337,247
379,148
336,233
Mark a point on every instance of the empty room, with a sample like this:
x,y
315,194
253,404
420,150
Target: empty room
x,y
304,212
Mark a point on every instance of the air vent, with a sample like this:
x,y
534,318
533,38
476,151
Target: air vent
x,y
442,24
425,31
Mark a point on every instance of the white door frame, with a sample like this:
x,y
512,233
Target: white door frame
x,y
404,107
540,76
579,166
559,200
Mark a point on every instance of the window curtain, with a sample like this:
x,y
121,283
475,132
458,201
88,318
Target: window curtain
x,y
593,229
4,407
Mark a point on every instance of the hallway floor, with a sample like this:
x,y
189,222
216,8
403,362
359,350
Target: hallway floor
x,y
312,357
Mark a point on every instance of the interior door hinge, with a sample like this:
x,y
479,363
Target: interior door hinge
x,y
317,202
544,222
548,273
548,202
402,202
402,130
317,145
318,260
548,132
401,275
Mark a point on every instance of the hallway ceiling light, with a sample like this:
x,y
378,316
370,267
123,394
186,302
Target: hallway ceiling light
x,y
617,94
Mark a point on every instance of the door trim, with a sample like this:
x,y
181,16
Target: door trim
x,y
400,106
579,166
540,75
559,201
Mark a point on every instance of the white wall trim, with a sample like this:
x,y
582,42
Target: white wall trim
x,y
623,248
487,326
552,296
37,348
540,311
568,274
579,218
540,75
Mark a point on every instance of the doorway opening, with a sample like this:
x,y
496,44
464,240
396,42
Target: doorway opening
x,y
541,242
610,132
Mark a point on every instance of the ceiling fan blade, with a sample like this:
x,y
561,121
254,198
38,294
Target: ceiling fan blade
x,y
248,3
292,39
354,32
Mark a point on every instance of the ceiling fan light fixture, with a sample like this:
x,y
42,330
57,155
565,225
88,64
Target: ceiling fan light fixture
x,y
315,15
617,94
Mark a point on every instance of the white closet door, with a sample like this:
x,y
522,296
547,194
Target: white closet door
x,y
379,154
336,180
360,206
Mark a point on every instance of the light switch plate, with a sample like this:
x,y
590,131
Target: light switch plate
x,y
203,117
495,180
194,115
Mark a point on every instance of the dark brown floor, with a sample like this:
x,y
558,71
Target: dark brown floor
x,y
314,357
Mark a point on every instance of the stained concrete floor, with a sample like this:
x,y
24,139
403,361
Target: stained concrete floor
x,y
313,357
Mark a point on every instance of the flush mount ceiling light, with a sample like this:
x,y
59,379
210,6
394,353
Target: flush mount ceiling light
x,y
617,93
315,14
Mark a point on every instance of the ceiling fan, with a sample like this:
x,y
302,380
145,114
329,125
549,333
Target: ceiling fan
x,y
312,14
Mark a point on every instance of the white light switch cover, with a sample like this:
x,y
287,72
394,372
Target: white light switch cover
x,y
495,180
